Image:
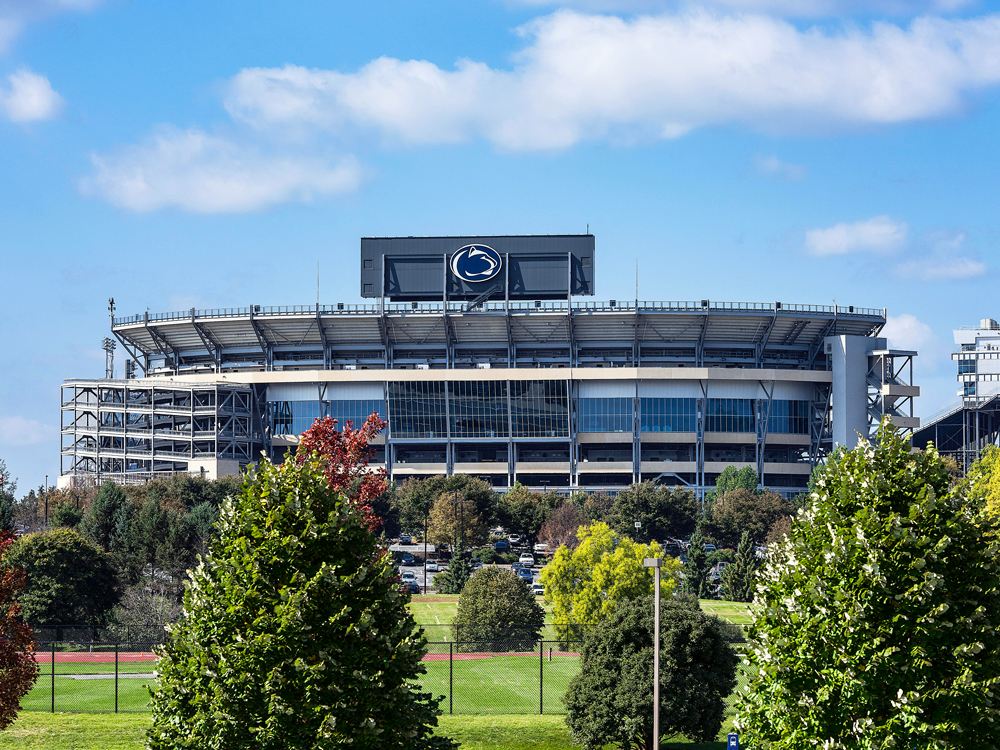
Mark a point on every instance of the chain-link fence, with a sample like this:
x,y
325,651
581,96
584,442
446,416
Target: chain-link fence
x,y
517,675
92,677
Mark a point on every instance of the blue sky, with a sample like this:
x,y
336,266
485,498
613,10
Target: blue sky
x,y
179,154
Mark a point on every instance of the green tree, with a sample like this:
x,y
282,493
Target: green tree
x,y
664,512
738,580
497,612
107,522
731,479
453,579
414,499
70,581
742,510
584,584
8,486
454,520
64,514
611,699
883,607
295,632
521,511
696,569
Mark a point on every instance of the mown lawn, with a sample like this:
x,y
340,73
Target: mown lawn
x,y
68,731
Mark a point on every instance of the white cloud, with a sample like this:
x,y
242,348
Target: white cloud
x,y
905,331
792,8
772,166
879,234
18,431
29,97
947,261
590,77
198,172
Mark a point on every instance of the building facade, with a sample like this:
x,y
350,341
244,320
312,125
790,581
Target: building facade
x,y
479,367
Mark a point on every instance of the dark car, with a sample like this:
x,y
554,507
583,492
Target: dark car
x,y
409,559
524,574
405,539
412,586
516,566
502,546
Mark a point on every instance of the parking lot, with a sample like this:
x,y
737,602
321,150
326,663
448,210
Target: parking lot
x,y
417,550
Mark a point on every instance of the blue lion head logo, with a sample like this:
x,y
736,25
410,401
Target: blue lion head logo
x,y
475,263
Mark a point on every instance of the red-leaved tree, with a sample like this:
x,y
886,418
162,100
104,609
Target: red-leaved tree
x,y
344,455
18,668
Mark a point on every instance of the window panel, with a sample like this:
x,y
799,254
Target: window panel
x,y
539,408
667,414
355,411
417,410
789,417
479,409
729,415
605,415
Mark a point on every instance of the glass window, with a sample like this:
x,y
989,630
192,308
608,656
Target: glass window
x,y
729,415
605,415
293,417
479,410
667,414
354,411
789,417
966,366
417,410
539,408
970,388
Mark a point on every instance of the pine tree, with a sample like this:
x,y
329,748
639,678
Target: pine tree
x,y
738,576
697,568
453,580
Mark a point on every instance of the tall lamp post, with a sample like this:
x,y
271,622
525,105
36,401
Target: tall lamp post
x,y
656,563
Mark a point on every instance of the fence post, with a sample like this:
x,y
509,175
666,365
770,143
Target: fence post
x,y
116,677
52,671
541,677
451,677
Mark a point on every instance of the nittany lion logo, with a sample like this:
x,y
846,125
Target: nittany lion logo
x,y
475,263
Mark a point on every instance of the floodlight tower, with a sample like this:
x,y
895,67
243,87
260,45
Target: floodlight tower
x,y
109,360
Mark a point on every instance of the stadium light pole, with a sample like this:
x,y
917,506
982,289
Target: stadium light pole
x,y
656,563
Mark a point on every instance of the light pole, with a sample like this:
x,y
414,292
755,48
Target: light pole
x,y
656,563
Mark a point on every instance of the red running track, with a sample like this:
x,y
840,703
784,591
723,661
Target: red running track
x,y
101,657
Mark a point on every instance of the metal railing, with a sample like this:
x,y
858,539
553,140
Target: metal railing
x,y
542,306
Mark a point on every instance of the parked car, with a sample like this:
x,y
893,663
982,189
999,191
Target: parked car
x,y
409,575
476,564
405,539
514,538
525,575
502,545
538,589
412,586
409,559
516,566
541,549
526,559
709,548
431,566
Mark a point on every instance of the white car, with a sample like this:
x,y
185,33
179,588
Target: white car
x,y
514,539
538,589
541,549
431,566
526,559
409,575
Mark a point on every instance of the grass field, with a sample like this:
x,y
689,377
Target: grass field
x,y
67,731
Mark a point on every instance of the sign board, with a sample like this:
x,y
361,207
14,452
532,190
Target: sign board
x,y
734,741
638,524
527,267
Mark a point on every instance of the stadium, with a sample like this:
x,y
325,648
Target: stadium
x,y
485,357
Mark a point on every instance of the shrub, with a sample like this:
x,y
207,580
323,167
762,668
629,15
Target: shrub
x,y
611,699
497,612
18,668
295,632
876,624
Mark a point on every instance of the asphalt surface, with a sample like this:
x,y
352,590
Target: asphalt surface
x,y
417,550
